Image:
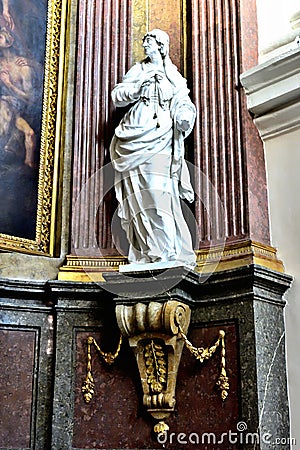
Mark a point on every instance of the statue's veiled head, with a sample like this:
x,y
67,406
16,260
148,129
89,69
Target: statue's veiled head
x,y
162,39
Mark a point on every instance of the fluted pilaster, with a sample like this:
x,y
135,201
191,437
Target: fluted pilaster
x,y
228,152
103,57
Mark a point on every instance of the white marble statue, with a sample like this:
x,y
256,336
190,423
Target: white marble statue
x,y
147,153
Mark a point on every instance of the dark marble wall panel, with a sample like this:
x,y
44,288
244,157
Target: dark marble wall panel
x,y
26,369
271,358
17,349
115,419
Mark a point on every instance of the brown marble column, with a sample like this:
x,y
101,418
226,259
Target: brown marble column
x,y
103,56
232,204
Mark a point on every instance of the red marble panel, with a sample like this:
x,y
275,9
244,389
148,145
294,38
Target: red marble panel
x,y
115,418
16,383
249,34
220,183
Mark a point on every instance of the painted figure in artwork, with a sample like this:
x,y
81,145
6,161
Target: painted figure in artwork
x,y
16,95
7,18
19,72
147,153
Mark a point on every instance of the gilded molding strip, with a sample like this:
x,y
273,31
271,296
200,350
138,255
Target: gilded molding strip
x,y
237,255
91,263
184,38
88,269
45,190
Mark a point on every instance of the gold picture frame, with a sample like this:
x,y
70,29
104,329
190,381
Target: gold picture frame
x,y
47,151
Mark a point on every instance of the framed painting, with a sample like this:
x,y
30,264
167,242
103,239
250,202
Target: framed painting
x,y
31,74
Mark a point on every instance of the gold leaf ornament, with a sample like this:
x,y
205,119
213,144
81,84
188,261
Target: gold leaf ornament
x,y
88,388
202,354
88,385
155,361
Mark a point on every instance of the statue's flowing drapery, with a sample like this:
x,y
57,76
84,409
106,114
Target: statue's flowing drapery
x,y
147,152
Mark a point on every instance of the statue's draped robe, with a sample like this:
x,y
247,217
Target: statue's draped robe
x,y
147,153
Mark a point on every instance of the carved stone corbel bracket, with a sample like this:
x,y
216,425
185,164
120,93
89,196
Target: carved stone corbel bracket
x,y
153,333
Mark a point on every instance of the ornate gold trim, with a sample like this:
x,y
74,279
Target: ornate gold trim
x,y
184,38
237,255
51,122
155,357
80,268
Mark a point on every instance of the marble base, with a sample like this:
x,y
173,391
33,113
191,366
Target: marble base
x,y
143,267
247,303
252,298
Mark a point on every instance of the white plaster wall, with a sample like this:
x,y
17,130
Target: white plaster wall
x,y
276,32
283,168
273,18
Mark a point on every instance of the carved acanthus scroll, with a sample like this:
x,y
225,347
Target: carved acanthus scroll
x,y
152,331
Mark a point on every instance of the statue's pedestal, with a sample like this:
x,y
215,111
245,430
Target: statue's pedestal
x,y
248,304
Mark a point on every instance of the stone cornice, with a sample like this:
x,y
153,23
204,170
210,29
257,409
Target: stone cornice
x,y
273,94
